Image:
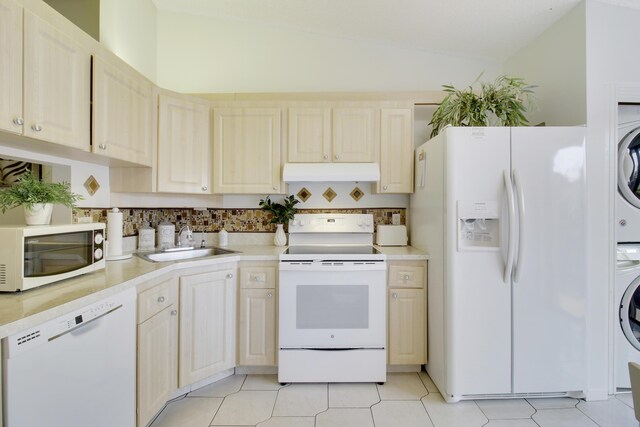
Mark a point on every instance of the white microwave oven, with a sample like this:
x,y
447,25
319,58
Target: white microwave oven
x,y
32,256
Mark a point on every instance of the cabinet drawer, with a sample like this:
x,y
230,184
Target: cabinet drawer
x,y
406,276
257,277
156,299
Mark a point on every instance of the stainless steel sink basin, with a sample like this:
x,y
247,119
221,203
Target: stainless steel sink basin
x,y
176,254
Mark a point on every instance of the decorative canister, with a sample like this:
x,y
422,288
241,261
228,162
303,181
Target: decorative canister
x,y
166,234
146,237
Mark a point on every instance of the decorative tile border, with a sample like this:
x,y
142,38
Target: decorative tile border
x,y
212,220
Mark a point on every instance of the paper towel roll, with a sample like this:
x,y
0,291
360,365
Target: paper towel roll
x,y
114,232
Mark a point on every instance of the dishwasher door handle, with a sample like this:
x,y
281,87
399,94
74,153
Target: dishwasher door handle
x,y
88,322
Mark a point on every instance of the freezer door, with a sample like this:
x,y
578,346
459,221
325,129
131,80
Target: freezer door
x,y
549,286
477,299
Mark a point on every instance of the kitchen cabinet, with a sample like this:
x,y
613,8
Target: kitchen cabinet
x,y
11,117
246,144
56,90
257,315
122,113
339,134
207,324
407,322
396,151
184,154
157,347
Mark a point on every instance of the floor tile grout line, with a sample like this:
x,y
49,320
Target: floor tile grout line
x,y
587,415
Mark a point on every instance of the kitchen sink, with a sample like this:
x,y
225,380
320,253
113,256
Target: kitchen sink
x,y
177,254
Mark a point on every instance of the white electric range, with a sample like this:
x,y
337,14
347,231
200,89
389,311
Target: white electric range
x,y
332,305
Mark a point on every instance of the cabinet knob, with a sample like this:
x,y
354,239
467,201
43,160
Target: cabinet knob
x,y
204,188
326,156
394,295
337,157
405,277
18,121
160,299
174,312
384,188
102,146
275,187
269,295
36,127
229,276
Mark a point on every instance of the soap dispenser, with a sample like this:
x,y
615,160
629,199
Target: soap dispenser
x,y
223,237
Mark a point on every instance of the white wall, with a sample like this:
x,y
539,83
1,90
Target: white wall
x,y
199,54
556,62
128,29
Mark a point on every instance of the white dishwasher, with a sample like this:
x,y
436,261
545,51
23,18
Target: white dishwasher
x,y
76,370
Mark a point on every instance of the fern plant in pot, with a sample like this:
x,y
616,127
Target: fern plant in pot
x,y
501,103
282,214
37,197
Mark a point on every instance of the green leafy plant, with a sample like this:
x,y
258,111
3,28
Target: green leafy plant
x,y
29,190
282,213
501,103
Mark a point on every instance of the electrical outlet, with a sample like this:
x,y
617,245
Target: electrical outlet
x,y
395,219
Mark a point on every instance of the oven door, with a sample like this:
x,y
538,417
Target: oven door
x,y
329,305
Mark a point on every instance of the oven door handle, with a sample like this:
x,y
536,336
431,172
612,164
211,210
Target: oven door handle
x,y
327,266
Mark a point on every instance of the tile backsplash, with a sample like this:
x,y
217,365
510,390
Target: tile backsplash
x,y
213,220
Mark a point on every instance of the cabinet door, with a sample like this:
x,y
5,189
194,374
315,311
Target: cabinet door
x,y
57,79
122,111
184,155
11,66
257,327
309,135
207,325
157,362
246,143
407,327
396,151
355,134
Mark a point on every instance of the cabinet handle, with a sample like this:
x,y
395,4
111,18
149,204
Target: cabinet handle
x,y
102,146
269,295
337,157
229,276
384,188
325,157
18,121
204,188
160,299
394,295
174,312
36,127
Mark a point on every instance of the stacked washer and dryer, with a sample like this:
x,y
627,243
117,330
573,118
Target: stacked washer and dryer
x,y
626,334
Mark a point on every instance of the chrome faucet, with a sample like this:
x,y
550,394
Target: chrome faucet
x,y
186,229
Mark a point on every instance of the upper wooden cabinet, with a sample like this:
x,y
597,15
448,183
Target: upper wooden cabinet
x,y
342,134
11,118
246,150
396,151
57,79
122,113
184,154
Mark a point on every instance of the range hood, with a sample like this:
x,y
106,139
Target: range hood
x,y
323,172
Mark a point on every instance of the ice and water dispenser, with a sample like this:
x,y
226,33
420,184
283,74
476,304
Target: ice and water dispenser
x,y
478,225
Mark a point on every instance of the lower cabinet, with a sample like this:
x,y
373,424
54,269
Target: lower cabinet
x,y
207,324
157,347
257,315
407,323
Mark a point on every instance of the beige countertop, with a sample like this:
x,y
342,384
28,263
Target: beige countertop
x,y
22,310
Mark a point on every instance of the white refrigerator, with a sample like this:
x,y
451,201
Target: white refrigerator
x,y
501,212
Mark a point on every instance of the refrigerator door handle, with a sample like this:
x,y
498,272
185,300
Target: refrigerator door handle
x,y
517,269
512,226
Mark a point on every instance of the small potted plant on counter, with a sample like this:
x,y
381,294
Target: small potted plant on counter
x,y
37,197
282,214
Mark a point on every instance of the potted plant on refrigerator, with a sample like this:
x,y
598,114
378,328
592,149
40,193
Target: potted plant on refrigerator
x,y
282,214
501,103
37,197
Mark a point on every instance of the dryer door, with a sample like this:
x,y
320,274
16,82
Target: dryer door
x,y
629,167
630,313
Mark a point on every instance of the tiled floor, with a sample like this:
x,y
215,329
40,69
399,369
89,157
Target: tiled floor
x,y
405,400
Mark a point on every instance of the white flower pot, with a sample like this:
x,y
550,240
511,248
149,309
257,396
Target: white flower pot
x,y
39,214
279,239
